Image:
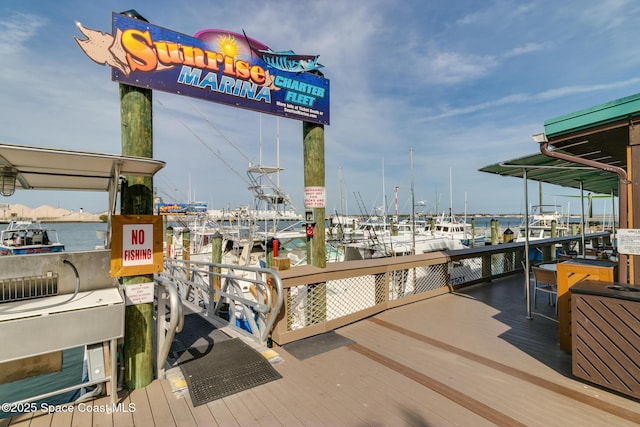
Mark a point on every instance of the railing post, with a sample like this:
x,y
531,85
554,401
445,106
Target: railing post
x,y
486,266
216,258
316,308
381,291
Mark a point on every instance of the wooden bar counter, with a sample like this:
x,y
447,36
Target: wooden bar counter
x,y
568,274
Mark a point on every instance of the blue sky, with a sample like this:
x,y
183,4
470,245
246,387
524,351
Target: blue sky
x,y
462,83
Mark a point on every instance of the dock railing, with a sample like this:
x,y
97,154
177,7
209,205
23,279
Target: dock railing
x,y
318,300
289,305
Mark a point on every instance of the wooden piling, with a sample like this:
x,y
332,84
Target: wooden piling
x,y
137,198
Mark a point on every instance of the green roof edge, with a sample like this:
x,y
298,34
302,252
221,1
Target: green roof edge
x,y
594,116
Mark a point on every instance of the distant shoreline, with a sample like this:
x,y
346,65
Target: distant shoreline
x,y
57,220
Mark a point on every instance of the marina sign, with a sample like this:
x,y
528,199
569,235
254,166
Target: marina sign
x,y
214,65
181,208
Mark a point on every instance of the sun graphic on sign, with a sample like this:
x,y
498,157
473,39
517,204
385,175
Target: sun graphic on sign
x,y
228,45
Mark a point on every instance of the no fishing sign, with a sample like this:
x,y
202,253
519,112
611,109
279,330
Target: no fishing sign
x,y
136,245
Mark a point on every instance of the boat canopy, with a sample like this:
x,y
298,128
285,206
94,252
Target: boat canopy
x,y
41,168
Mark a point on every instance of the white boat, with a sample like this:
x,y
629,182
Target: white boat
x,y
543,220
28,237
454,228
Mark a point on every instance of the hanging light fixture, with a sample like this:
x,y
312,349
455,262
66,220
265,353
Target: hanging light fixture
x,y
8,176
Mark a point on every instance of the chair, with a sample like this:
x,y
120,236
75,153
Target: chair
x,y
545,281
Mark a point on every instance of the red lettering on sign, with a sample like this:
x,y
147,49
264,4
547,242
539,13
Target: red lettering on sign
x,y
137,237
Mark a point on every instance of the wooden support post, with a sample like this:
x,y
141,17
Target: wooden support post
x,y
473,232
137,198
313,152
216,258
168,238
633,214
186,251
494,231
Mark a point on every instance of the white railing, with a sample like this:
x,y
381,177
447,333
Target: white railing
x,y
248,298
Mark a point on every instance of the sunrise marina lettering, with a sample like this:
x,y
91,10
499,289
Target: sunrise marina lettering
x,y
225,84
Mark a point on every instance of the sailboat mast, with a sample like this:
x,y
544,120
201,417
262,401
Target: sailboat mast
x,y
260,153
413,204
384,198
342,210
450,195
278,152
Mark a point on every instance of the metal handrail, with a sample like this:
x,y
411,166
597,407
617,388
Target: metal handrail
x,y
193,278
176,322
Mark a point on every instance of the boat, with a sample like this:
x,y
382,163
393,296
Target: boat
x,y
28,237
545,222
454,228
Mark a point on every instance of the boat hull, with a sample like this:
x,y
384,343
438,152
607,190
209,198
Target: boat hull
x,y
28,250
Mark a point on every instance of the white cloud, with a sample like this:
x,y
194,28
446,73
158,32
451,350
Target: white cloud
x,y
607,14
448,67
527,48
17,29
520,98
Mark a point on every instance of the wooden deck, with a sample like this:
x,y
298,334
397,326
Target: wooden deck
x,y
465,359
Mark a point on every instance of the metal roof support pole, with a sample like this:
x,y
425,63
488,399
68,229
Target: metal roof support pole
x,y
582,222
623,183
527,262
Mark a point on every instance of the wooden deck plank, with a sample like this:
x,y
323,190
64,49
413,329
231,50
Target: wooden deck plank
x,y
286,390
424,372
40,419
179,408
382,399
201,414
275,405
21,420
61,419
123,416
162,415
142,416
368,403
331,404
262,415
405,398
222,413
239,409
81,418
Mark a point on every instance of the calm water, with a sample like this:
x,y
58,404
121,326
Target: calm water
x,y
76,236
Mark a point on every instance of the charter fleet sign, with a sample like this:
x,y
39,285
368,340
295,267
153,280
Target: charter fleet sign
x,y
214,65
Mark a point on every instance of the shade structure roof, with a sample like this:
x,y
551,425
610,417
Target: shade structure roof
x,y
55,169
601,133
558,172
